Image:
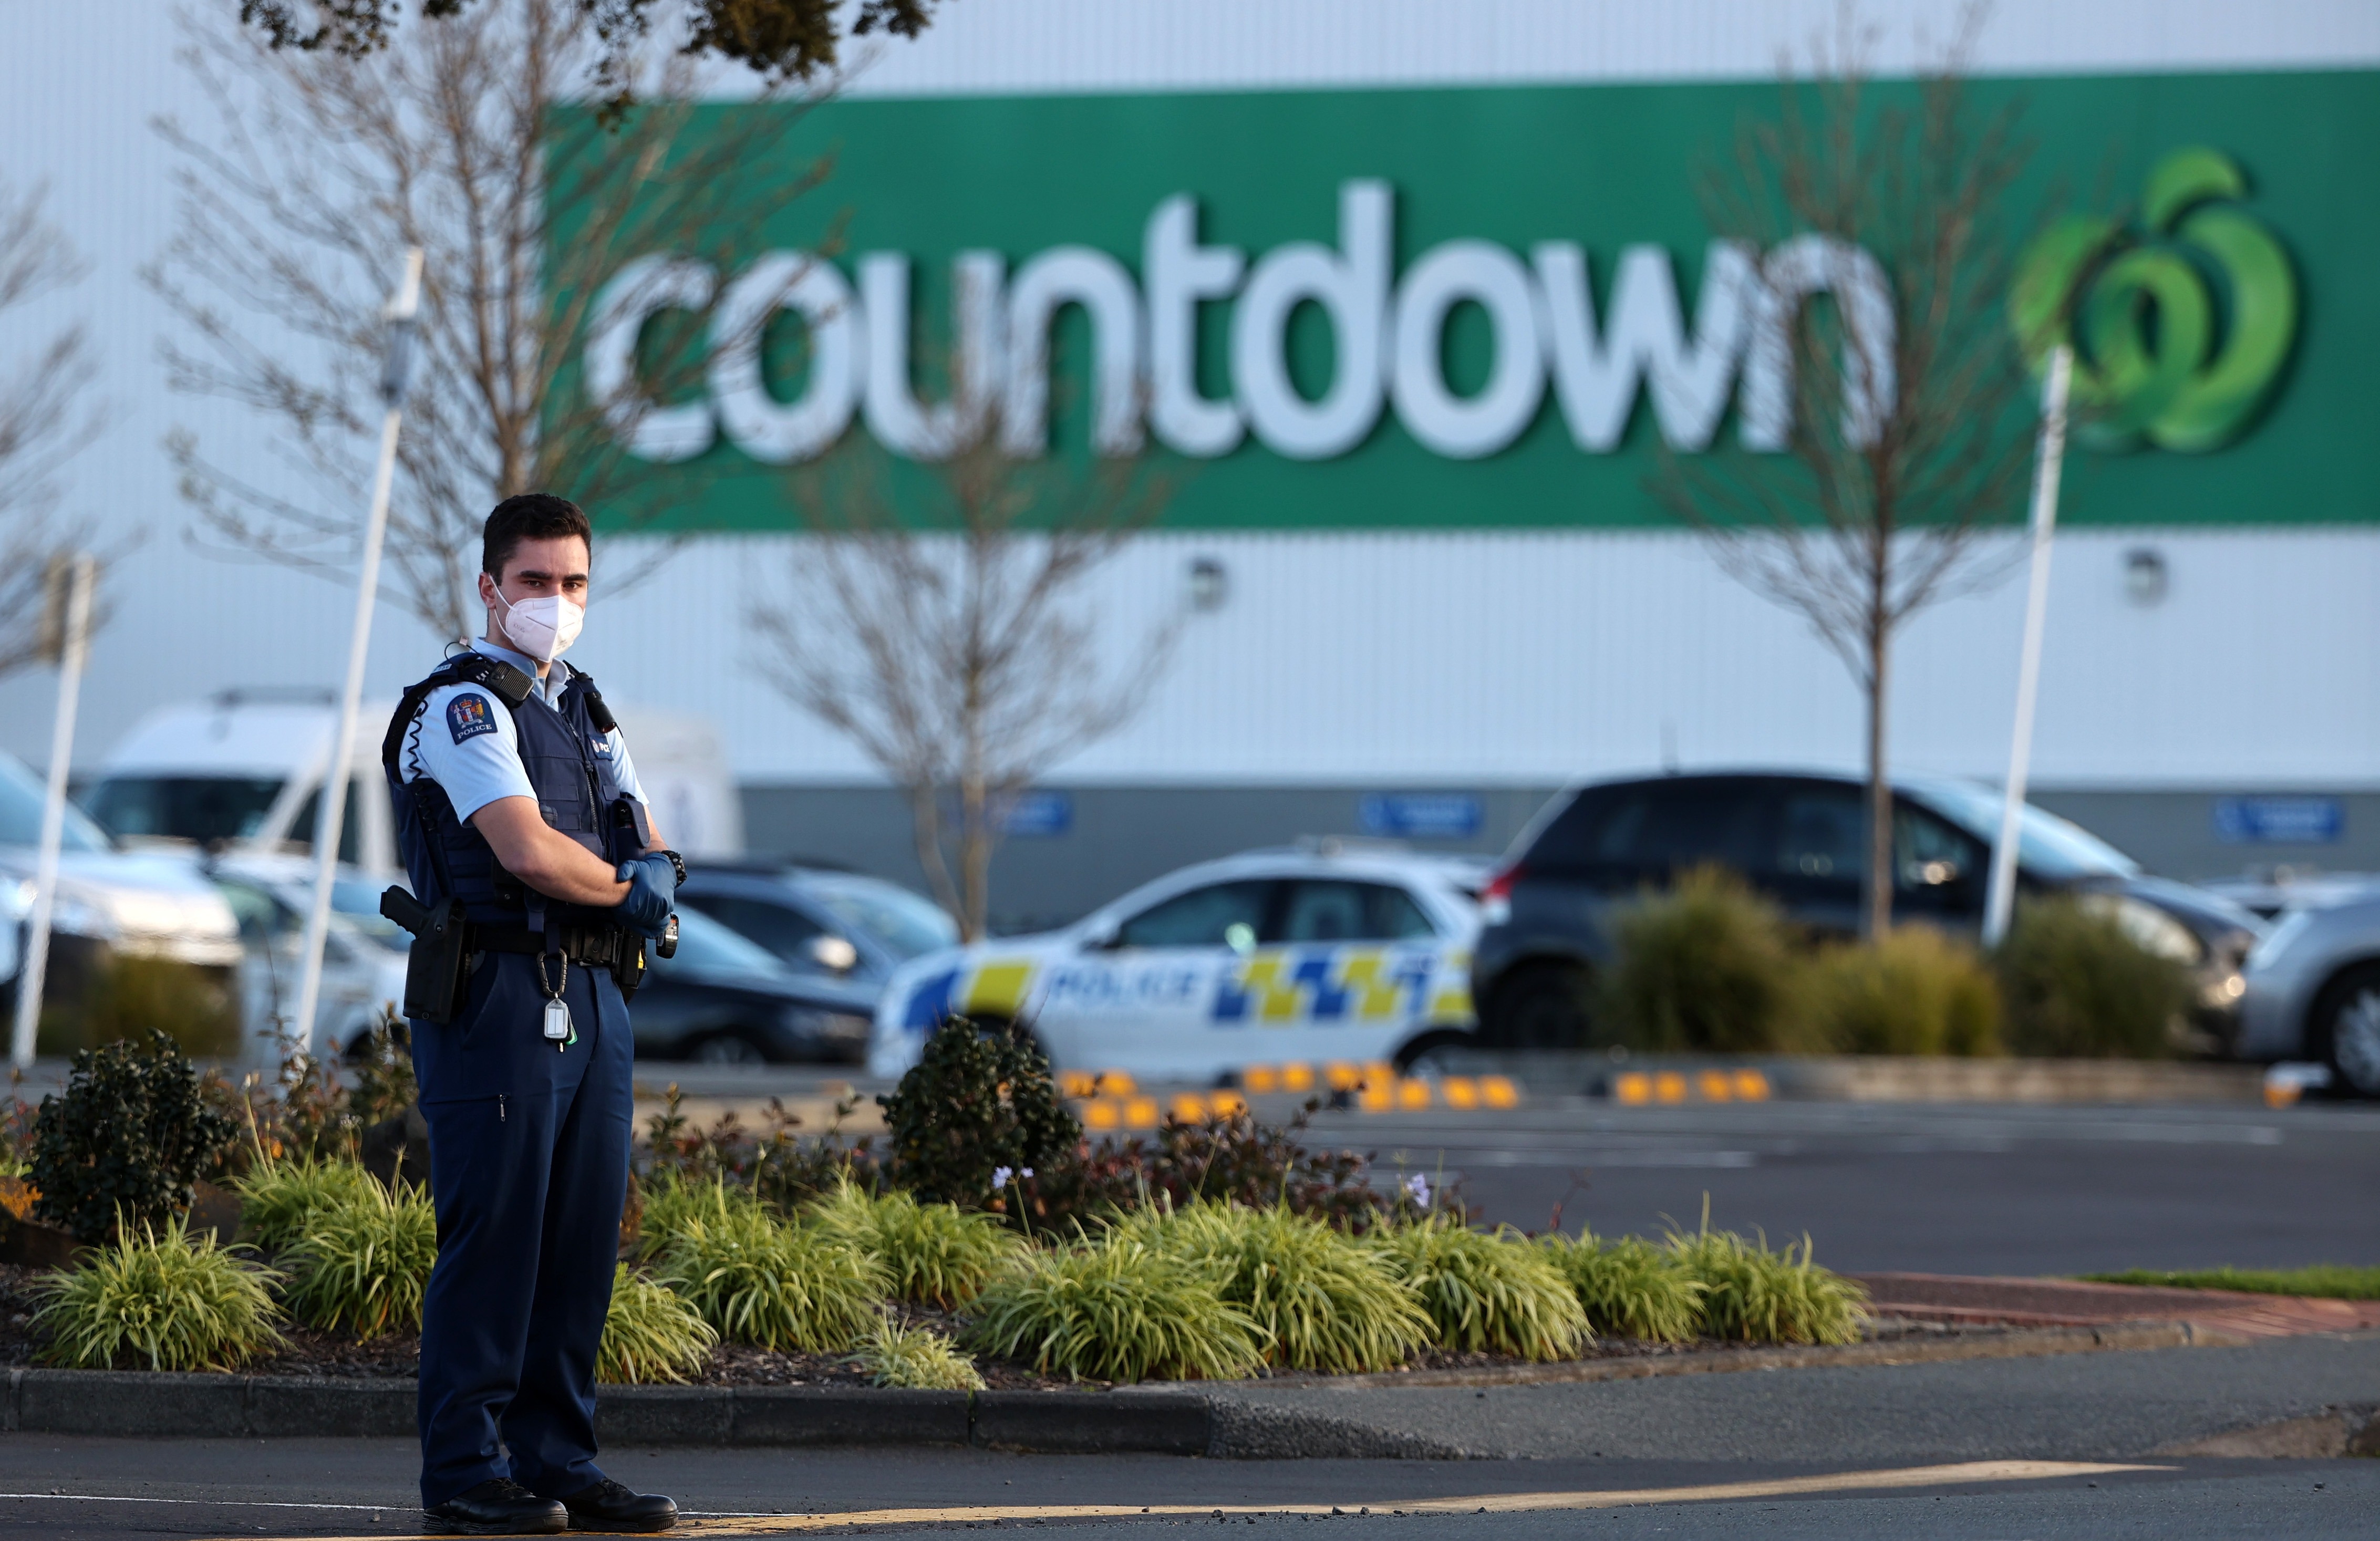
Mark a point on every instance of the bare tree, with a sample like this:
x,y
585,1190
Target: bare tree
x,y
1880,362
539,216
45,418
939,616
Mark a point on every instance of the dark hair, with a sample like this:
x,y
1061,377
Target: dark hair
x,y
530,516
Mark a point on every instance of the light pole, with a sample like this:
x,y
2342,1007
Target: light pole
x,y
70,584
396,370
2050,459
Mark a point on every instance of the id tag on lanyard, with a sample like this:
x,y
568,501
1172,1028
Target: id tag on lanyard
x,y
557,1020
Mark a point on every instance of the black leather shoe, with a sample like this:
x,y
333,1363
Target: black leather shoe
x,y
608,1506
500,1507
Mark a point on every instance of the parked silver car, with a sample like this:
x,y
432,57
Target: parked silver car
x,y
2314,991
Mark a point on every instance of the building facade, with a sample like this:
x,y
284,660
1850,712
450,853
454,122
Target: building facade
x,y
1421,298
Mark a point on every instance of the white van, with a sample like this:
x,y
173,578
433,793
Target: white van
x,y
241,772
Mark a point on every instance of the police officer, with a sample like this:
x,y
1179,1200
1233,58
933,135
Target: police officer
x,y
515,796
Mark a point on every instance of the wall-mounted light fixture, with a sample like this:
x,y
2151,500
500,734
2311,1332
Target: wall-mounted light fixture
x,y
2145,578
1209,583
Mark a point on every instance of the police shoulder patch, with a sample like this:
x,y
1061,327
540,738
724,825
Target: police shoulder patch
x,y
468,716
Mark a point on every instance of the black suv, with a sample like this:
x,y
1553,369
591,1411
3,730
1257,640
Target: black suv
x,y
1803,840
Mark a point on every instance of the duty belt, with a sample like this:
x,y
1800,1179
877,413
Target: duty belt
x,y
592,946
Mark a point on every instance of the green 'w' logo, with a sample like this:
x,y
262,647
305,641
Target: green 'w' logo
x,y
2180,327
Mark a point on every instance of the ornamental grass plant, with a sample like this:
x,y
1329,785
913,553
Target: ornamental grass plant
x,y
672,1201
1487,1293
1917,992
1706,967
760,1280
649,1335
1628,1286
157,1299
363,1263
916,1359
279,1199
1118,1310
2079,984
1324,1301
1753,1295
933,1254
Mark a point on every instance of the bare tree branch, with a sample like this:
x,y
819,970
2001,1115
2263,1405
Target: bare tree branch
x,y
939,616
460,137
46,417
1871,517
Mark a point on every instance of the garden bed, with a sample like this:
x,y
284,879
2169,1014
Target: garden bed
x,y
395,1357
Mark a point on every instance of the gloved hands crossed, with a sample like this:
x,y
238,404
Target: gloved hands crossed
x,y
652,881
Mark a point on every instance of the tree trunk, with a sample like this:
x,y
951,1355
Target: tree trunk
x,y
974,858
1876,911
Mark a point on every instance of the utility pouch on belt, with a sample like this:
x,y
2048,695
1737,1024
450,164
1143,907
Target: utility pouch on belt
x,y
438,960
628,969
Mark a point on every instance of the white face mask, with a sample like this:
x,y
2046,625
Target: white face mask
x,y
542,627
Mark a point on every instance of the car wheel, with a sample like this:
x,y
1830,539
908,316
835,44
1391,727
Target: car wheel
x,y
2347,1030
1541,1005
1426,1055
728,1049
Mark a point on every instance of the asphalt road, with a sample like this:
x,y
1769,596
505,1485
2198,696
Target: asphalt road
x,y
357,1488
2041,1448
1932,1188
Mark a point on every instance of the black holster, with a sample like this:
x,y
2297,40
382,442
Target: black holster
x,y
438,964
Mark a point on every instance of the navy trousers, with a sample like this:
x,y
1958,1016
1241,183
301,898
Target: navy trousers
x,y
528,1159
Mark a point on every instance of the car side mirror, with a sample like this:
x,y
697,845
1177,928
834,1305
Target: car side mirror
x,y
1101,936
834,954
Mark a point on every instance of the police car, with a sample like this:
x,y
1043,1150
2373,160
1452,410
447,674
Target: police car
x,y
1329,952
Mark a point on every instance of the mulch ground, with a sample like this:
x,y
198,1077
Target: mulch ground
x,y
311,1353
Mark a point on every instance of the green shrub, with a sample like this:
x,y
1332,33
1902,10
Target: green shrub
x,y
362,1265
1120,1311
933,1253
127,1138
116,996
974,1103
159,1298
760,1280
1487,1293
1327,1303
1753,1295
278,1199
650,1334
916,1359
2080,983
1707,965
1915,992
1628,1286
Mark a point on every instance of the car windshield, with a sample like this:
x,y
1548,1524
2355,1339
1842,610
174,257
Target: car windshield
x,y
2047,845
704,943
20,814
906,924
201,809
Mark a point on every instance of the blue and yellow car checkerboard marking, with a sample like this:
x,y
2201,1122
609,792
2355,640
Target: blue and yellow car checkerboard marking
x,y
1328,984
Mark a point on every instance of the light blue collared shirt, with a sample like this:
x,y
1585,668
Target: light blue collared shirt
x,y
464,739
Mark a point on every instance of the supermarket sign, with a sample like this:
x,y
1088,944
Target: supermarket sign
x,y
1486,307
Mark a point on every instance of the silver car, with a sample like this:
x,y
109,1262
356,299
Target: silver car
x,y
2314,991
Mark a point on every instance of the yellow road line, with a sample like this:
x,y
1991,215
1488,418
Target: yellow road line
x,y
1494,1503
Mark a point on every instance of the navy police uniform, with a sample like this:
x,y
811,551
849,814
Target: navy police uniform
x,y
529,1137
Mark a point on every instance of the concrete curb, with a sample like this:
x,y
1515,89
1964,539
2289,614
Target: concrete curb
x,y
1179,1418
165,1405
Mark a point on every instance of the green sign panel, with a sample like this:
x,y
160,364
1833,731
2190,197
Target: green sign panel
x,y
1489,308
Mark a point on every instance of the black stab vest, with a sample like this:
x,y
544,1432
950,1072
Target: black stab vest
x,y
447,857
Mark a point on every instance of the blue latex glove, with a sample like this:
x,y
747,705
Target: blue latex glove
x,y
652,892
